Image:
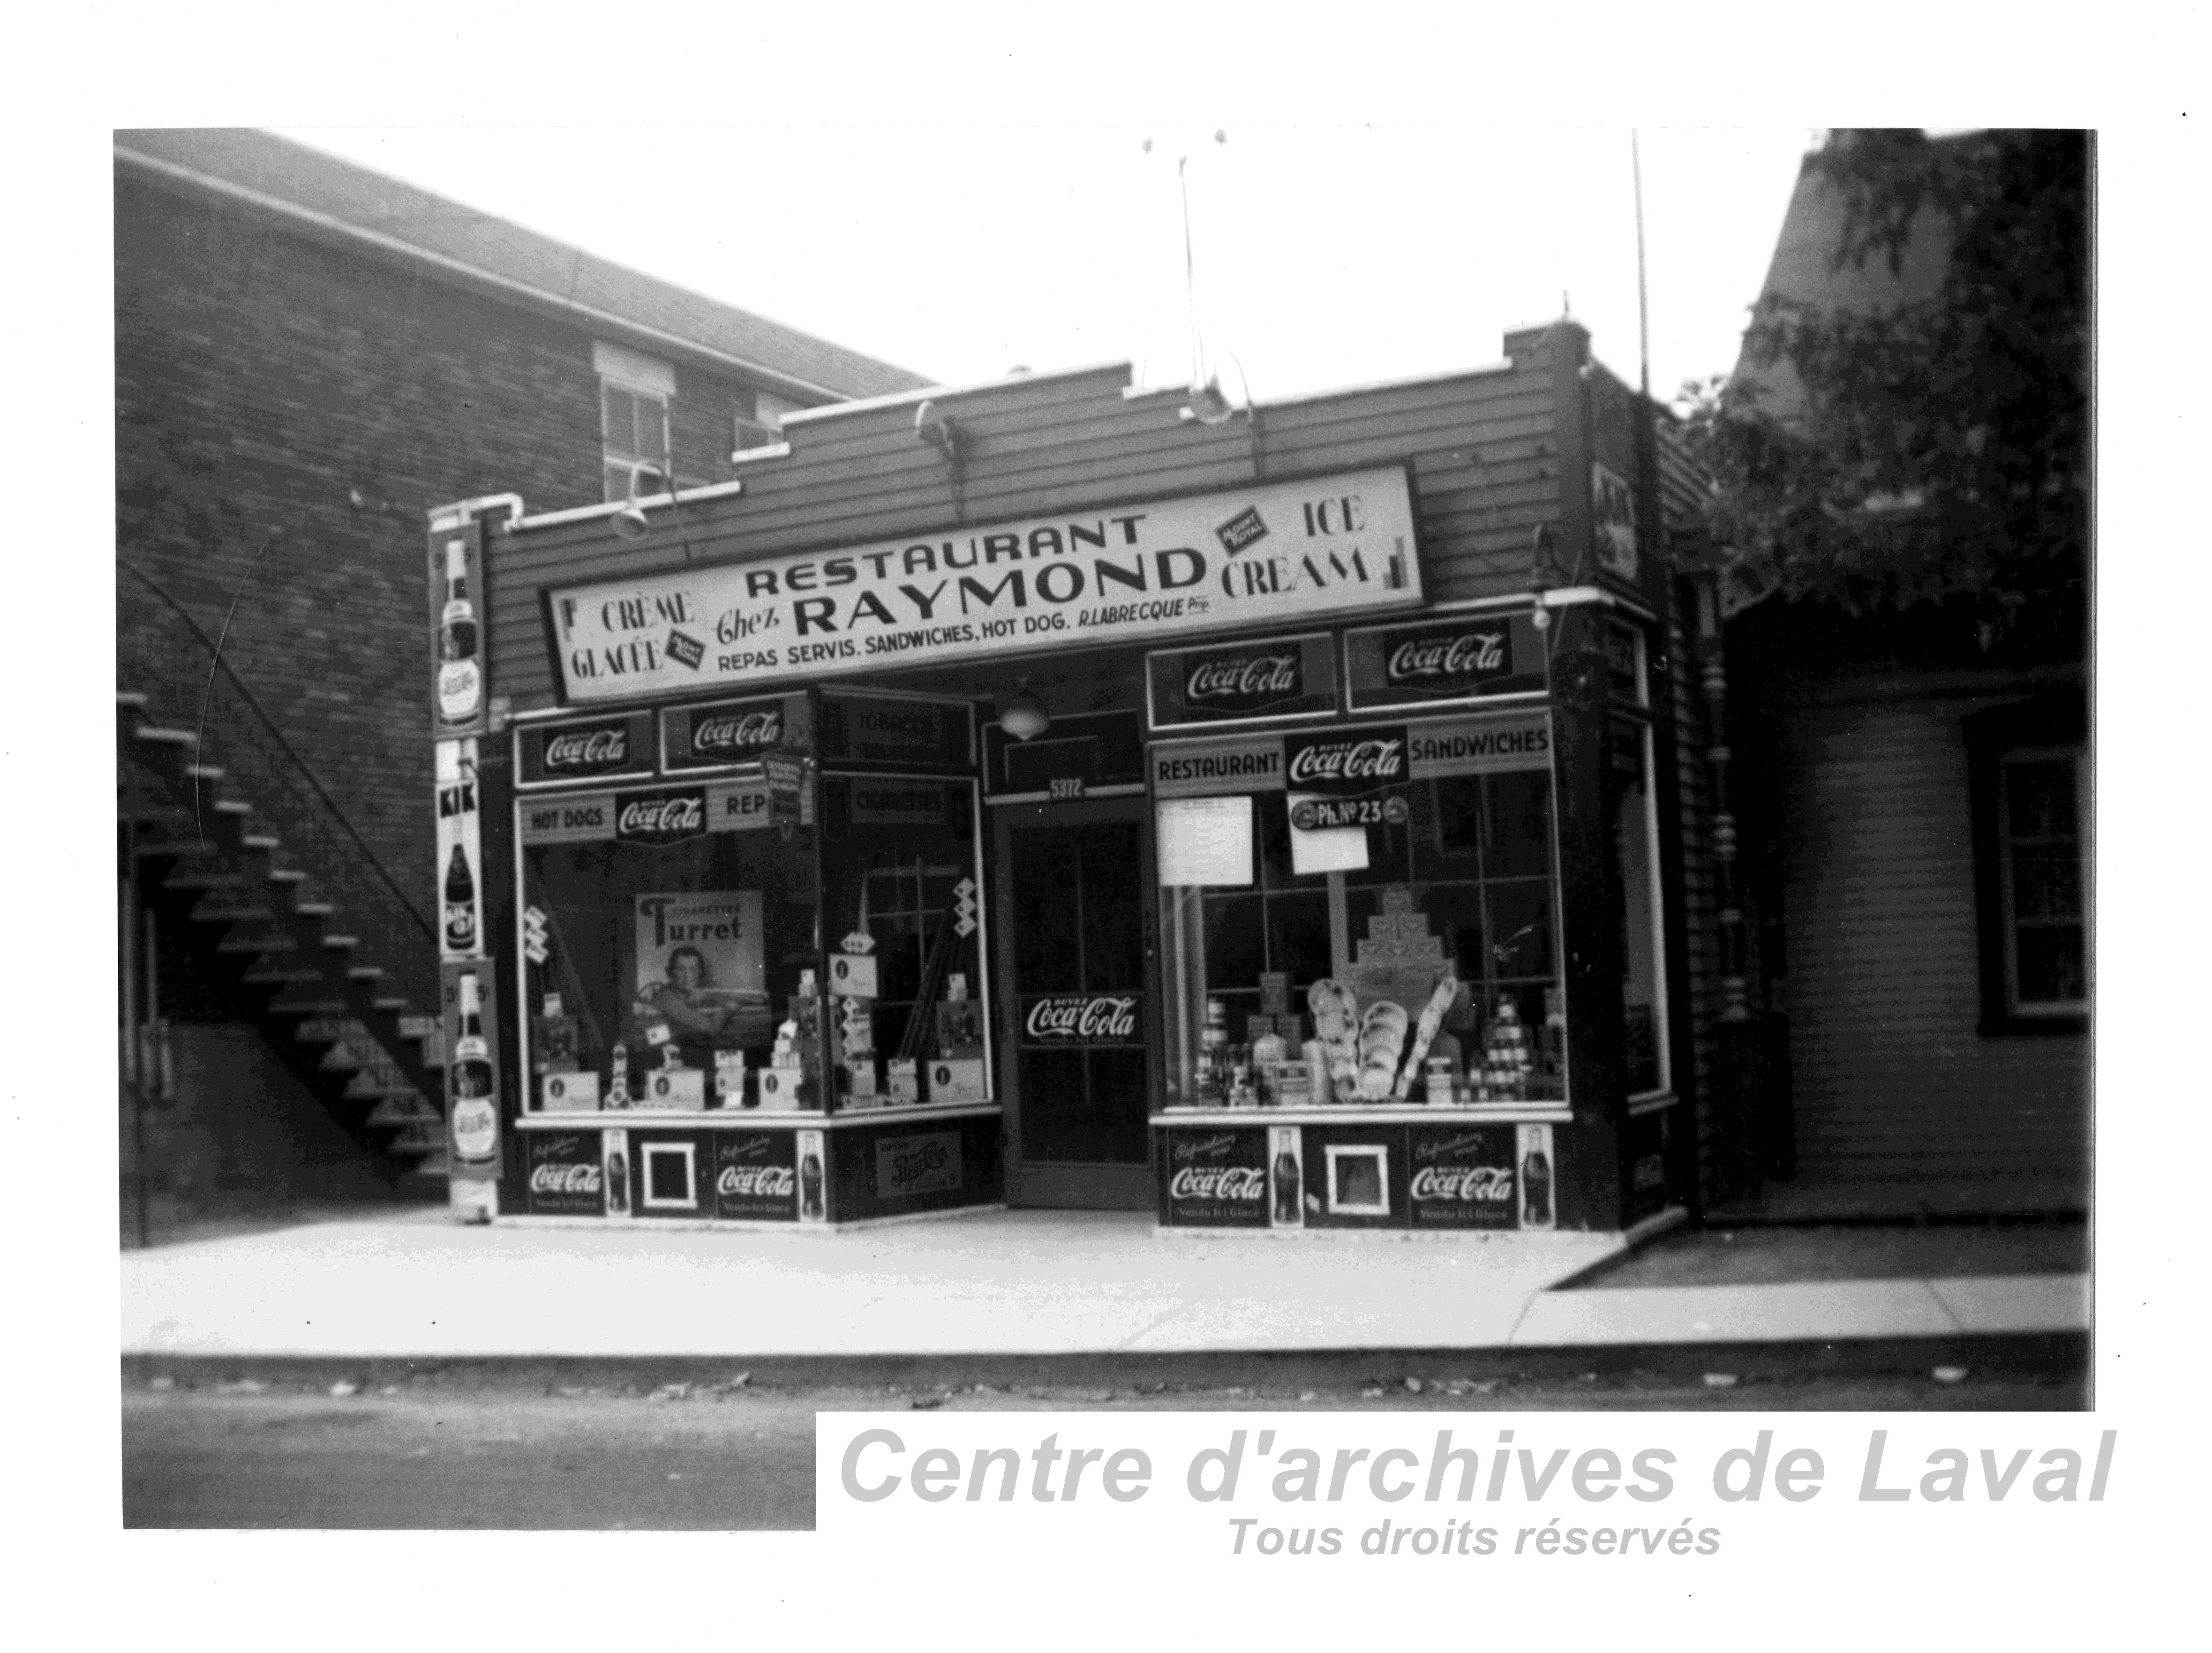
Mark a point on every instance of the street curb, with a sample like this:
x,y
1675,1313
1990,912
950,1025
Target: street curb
x,y
2060,1355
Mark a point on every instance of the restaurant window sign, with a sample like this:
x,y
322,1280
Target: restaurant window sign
x,y
1259,555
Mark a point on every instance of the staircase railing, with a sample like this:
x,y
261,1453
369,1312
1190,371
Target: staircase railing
x,y
166,650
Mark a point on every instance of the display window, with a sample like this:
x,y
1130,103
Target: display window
x,y
670,946
903,893
1374,923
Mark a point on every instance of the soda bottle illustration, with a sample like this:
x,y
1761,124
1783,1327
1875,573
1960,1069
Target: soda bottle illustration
x,y
460,903
460,677
1536,1189
617,1182
810,1186
1286,1187
618,1080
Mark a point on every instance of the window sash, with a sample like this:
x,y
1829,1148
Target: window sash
x,y
2041,845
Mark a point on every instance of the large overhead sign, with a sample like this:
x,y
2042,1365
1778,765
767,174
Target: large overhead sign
x,y
1261,556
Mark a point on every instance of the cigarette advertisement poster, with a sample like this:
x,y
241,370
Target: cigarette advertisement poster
x,y
699,947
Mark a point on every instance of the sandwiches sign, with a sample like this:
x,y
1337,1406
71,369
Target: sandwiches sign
x,y
1273,552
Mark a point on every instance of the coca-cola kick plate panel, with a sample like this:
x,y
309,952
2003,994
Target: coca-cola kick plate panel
x,y
1241,682
1214,1179
1432,662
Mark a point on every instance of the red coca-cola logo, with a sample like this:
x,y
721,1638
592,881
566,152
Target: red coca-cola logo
x,y
1464,1184
1247,678
1076,1016
662,819
1369,762
587,750
1242,1184
565,1179
1464,656
755,1182
737,732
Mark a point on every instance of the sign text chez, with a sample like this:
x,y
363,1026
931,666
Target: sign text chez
x,y
1273,552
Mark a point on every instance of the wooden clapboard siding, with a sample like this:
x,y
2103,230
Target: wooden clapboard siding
x,y
1480,447
1893,1084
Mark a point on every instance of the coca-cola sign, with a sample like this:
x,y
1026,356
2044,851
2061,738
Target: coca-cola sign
x,y
585,751
1464,658
1215,1179
1345,763
565,1178
1247,681
755,1176
755,1182
724,733
659,819
1463,1178
1457,658
1082,1019
1281,677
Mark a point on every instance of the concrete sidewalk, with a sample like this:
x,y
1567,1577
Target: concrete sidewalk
x,y
1009,1283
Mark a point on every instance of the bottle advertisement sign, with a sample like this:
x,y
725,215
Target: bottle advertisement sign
x,y
472,1125
460,852
456,575
1259,556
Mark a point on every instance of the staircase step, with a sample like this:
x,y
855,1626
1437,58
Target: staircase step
x,y
392,1003
419,1027
292,1004
277,978
224,912
154,735
257,840
340,943
130,700
365,1085
287,875
314,909
420,1136
397,1110
366,973
328,1029
232,806
262,943
209,772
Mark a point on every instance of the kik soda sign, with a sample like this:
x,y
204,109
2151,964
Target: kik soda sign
x,y
1261,556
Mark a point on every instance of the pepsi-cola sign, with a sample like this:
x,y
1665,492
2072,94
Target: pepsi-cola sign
x,y
565,1177
907,1166
1347,763
1082,1019
1463,1178
660,818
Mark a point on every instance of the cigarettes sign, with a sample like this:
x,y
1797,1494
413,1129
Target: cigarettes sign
x,y
1261,556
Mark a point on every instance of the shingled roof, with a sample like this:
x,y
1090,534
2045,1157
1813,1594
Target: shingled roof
x,y
339,197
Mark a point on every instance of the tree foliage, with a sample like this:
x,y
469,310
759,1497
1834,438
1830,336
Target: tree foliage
x,y
1939,452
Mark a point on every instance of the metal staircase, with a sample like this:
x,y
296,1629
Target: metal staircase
x,y
322,944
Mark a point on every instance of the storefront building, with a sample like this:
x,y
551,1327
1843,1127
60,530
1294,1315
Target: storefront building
x,y
1042,795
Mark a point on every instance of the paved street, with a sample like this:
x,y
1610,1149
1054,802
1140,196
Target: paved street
x,y
425,1454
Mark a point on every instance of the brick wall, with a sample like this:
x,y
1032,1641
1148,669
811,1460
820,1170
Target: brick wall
x,y
265,377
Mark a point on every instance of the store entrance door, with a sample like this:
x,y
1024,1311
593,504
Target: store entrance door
x,y
1073,938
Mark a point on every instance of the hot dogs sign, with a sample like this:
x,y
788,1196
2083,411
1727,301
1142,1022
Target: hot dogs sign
x,y
1286,550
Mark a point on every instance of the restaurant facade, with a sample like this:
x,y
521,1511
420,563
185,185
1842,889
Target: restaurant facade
x,y
1063,793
